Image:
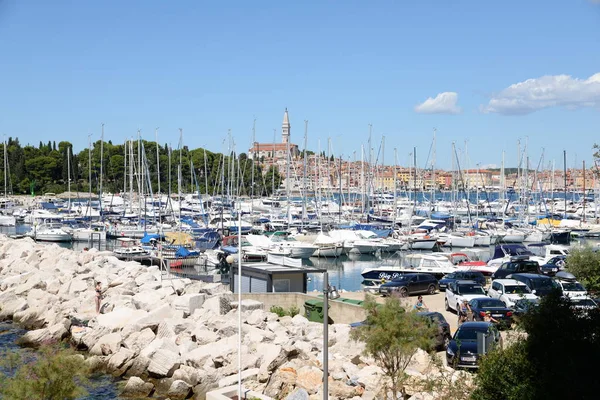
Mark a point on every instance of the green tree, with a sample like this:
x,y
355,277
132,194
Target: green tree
x,y
392,337
552,362
53,374
584,263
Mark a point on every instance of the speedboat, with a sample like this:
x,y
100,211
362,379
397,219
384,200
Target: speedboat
x,y
51,232
437,265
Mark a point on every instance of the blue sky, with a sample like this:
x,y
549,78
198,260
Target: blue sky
x,y
209,66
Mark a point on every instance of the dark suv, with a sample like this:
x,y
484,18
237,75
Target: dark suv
x,y
519,264
539,284
411,283
461,275
443,336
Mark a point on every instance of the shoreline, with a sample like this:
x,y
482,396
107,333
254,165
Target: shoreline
x,y
173,337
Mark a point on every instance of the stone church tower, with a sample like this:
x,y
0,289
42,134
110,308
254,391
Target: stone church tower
x,y
285,128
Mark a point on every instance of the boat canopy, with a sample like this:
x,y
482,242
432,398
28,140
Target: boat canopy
x,y
150,237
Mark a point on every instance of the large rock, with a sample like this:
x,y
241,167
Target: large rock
x,y
281,382
119,318
219,304
77,286
179,390
187,374
310,378
139,340
233,379
204,336
135,387
137,366
31,318
248,305
257,318
11,305
107,344
35,338
119,359
298,394
147,300
163,363
188,303
215,288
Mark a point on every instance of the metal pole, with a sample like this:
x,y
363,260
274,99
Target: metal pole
x,y
325,336
240,304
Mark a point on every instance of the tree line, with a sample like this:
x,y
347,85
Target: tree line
x,y
49,167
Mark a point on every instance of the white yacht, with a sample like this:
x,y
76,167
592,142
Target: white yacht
x,y
50,232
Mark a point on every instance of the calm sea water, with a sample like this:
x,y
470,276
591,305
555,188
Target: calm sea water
x,y
104,386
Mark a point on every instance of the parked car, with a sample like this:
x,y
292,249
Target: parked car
x,y
458,291
553,265
518,264
462,275
412,283
569,285
496,309
509,291
523,306
443,336
583,303
462,351
540,285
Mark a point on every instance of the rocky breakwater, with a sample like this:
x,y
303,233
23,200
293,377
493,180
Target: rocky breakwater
x,y
171,336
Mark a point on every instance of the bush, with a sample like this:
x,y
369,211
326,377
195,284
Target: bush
x,y
584,263
52,374
278,310
282,312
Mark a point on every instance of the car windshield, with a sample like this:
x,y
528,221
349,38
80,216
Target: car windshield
x,y
516,289
573,286
450,276
468,334
470,289
492,303
543,283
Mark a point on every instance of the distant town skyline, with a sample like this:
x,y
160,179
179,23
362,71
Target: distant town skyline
x,y
484,76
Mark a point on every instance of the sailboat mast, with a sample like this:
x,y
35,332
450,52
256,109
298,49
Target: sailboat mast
x,y
68,175
157,162
565,178
101,162
253,161
5,170
433,183
305,172
90,176
395,213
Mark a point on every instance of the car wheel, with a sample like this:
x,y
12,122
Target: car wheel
x,y
431,289
403,292
446,305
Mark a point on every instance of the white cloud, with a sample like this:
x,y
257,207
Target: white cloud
x,y
545,92
443,103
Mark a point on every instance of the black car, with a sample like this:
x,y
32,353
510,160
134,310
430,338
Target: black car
x,y
523,306
443,336
518,264
461,275
553,265
540,285
411,283
497,309
463,352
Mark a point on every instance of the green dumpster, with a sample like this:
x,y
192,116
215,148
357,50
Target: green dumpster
x,y
314,310
353,301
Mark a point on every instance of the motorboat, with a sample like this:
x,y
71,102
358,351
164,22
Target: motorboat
x,y
327,246
50,232
437,265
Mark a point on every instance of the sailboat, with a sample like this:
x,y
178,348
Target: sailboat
x,y
6,204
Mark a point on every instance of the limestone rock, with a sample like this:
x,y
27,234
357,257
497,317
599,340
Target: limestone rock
x,y
248,305
139,340
214,288
119,318
107,344
147,300
220,304
188,303
135,387
257,318
204,336
310,378
137,366
233,379
120,358
163,363
281,383
179,390
187,374
35,338
298,394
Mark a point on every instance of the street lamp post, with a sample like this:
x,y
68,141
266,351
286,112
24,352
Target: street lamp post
x,y
328,292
